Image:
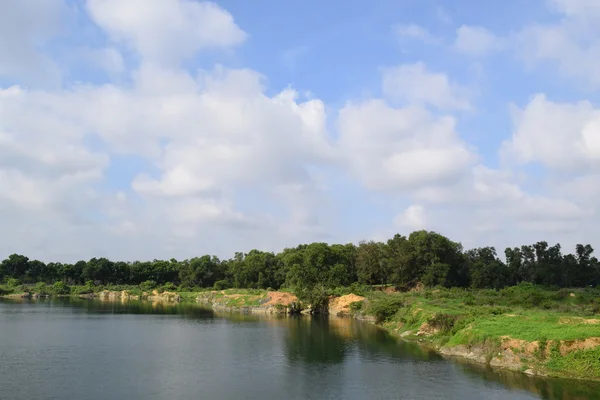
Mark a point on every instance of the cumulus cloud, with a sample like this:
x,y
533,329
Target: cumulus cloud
x,y
166,31
413,218
400,148
414,83
170,161
206,136
571,44
558,135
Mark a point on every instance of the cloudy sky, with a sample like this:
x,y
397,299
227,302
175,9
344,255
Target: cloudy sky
x,y
141,129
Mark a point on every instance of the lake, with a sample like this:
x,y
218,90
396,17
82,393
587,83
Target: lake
x,y
87,349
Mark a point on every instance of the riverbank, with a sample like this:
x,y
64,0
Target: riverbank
x,y
558,338
524,329
257,301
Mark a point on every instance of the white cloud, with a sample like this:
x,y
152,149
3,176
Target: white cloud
x,y
170,162
414,31
476,41
577,8
413,218
558,135
571,44
26,25
208,137
414,83
405,148
108,59
166,31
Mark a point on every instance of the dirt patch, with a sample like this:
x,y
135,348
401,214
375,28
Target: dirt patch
x,y
427,330
419,287
578,320
524,346
282,298
569,346
565,347
341,305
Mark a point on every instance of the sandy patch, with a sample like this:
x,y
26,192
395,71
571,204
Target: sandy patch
x,y
578,320
509,343
282,298
341,305
569,346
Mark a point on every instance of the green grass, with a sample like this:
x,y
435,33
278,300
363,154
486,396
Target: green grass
x,y
581,364
532,325
238,298
484,317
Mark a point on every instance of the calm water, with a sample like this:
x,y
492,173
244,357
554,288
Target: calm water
x,y
82,349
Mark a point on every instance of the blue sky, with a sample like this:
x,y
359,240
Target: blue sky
x,y
169,128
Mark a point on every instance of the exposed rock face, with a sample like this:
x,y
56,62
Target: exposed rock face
x,y
163,297
273,303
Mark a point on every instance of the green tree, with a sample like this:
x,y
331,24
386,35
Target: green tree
x,y
486,269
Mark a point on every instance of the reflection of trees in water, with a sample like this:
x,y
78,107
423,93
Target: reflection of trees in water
x,y
373,342
548,389
311,340
188,310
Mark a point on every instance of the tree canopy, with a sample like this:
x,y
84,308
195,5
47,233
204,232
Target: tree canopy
x,y
312,270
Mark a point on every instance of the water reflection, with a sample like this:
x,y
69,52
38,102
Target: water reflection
x,y
339,348
546,388
311,340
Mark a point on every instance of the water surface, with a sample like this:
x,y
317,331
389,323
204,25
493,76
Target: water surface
x,y
87,349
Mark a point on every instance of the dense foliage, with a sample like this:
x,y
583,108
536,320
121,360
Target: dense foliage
x,y
313,270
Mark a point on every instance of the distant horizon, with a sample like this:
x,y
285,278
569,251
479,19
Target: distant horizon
x,y
138,130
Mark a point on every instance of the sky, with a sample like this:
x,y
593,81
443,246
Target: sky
x,y
143,129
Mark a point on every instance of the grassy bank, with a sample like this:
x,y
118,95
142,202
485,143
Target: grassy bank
x,y
524,328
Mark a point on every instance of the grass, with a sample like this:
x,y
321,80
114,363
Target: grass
x,y
582,364
532,314
238,298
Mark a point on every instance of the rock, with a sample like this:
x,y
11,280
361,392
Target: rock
x,y
507,359
475,353
405,334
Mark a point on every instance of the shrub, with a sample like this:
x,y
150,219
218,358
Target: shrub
x,y
61,288
13,282
169,287
385,308
443,322
356,306
147,285
221,285
40,288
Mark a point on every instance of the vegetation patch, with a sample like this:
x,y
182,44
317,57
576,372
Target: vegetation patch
x,y
578,364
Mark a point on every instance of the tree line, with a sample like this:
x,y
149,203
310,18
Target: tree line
x,y
423,257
